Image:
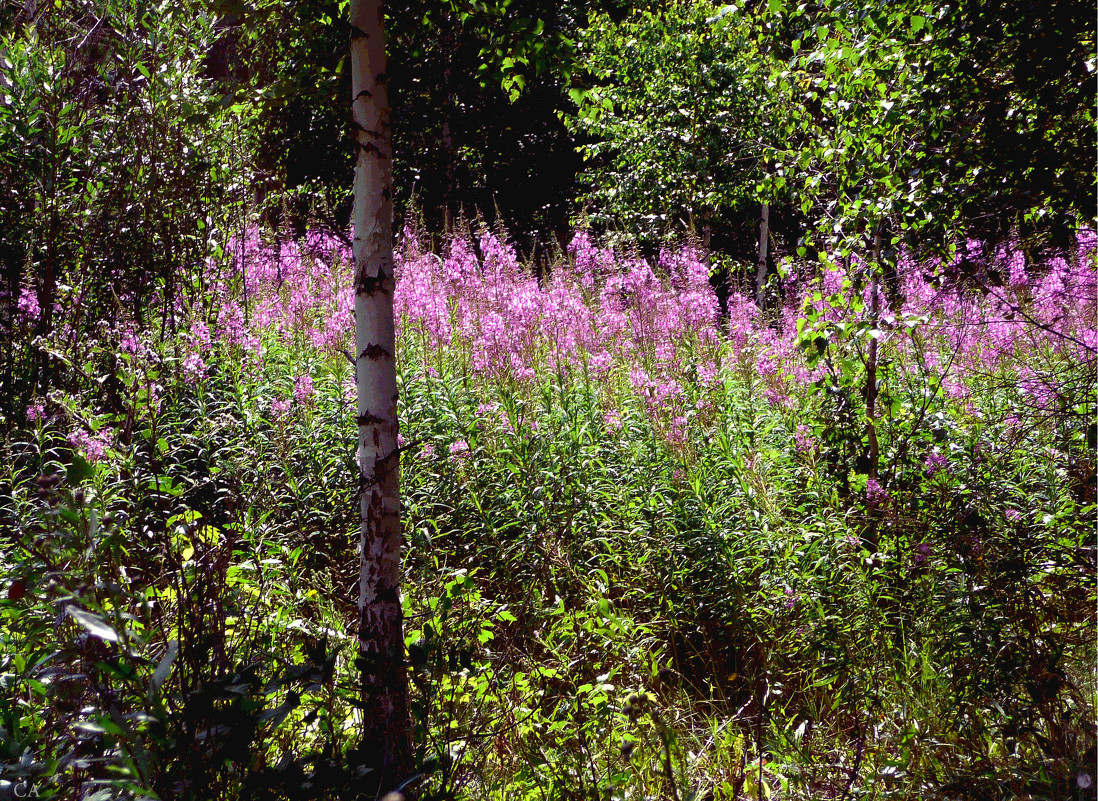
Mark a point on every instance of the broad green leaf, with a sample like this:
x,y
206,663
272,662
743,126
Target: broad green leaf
x,y
79,471
93,624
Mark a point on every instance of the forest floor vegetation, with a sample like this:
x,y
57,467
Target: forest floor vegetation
x,y
658,543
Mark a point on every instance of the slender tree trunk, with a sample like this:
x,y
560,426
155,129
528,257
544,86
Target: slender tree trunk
x,y
447,134
386,740
48,293
871,360
871,538
760,273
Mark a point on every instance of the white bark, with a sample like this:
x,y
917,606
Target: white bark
x,y
385,744
760,272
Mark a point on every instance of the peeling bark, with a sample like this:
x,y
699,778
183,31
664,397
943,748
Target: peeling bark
x,y
385,748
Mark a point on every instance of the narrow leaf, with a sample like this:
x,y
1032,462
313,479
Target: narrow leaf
x,y
160,675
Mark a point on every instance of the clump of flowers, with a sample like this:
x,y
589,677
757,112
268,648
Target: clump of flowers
x,y
921,553
875,494
130,343
803,440
791,598
36,411
194,369
200,336
93,446
935,463
303,388
27,306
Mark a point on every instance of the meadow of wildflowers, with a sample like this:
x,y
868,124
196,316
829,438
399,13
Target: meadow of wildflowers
x,y
647,553
655,334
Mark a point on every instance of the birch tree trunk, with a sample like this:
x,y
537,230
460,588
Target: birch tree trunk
x,y
871,539
871,360
386,740
760,272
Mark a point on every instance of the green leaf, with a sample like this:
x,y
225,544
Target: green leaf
x,y
93,624
79,471
160,675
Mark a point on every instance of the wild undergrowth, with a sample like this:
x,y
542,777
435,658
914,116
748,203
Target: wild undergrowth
x,y
658,546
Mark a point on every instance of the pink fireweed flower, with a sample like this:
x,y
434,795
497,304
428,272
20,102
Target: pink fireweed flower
x,y
776,397
231,324
589,262
1018,277
668,393
459,448
1089,338
612,420
194,369
200,335
955,389
154,398
253,347
803,441
676,434
707,374
1040,391
791,598
27,306
130,343
875,494
833,280
922,551
303,388
94,446
639,379
935,462
600,363
281,406
36,411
